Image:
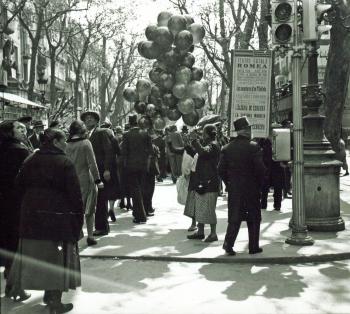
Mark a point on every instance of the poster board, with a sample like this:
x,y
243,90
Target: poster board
x,y
250,93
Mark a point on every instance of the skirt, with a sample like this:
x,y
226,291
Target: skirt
x,y
46,265
201,207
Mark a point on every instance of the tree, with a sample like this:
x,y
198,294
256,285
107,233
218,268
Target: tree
x,y
337,70
35,17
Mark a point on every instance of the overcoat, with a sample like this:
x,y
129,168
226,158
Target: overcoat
x,y
12,155
242,169
52,206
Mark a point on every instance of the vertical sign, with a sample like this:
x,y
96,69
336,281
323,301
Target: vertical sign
x,y
251,89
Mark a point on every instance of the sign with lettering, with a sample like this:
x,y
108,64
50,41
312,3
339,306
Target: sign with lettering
x,y
251,89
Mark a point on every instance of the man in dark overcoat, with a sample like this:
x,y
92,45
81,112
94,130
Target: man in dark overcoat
x,y
136,151
242,169
104,154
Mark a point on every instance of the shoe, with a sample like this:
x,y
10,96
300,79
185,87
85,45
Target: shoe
x,y
99,233
121,205
228,250
192,228
91,241
17,296
277,209
346,174
196,236
211,238
258,250
128,206
136,221
112,215
60,308
149,214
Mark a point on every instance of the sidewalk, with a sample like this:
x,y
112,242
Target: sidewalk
x,y
163,238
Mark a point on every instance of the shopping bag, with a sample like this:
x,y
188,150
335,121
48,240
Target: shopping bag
x,y
182,189
186,165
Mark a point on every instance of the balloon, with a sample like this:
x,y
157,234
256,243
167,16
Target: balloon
x,y
186,105
163,18
167,81
173,114
188,60
171,58
198,32
183,75
197,74
154,75
148,49
191,119
130,94
170,100
156,92
177,23
163,111
199,102
143,88
140,107
151,110
179,90
162,37
159,123
189,19
183,40
194,89
145,122
149,32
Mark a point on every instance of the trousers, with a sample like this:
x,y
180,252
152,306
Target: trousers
x,y
253,233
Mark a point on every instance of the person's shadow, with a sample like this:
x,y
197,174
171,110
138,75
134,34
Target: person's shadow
x,y
277,281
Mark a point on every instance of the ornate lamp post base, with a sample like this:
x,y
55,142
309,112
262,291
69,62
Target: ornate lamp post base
x,y
299,237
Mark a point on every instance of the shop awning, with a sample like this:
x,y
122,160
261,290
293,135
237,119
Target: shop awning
x,y
12,98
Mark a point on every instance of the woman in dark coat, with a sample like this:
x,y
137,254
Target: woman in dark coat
x,y
51,222
203,187
12,155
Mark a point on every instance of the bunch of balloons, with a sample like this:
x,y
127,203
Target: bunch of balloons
x,y
175,87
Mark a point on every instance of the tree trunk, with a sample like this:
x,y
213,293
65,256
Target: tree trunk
x,y
249,26
263,26
53,93
76,91
337,74
103,81
32,71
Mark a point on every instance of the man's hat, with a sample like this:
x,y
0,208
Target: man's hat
x,y
38,124
241,123
25,119
95,114
133,119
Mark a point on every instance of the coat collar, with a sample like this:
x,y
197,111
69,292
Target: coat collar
x,y
50,150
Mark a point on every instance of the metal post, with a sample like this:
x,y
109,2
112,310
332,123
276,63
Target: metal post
x,y
299,234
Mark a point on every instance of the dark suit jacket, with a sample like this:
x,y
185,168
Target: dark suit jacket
x,y
103,149
136,150
34,141
242,169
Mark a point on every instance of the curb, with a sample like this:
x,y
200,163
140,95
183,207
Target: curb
x,y
231,259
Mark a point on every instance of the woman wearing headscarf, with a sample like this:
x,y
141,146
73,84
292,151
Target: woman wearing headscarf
x,y
204,184
51,222
12,155
79,150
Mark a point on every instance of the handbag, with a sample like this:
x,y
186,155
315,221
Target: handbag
x,y
202,187
182,189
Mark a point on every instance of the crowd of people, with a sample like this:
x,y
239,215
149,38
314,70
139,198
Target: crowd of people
x,y
54,179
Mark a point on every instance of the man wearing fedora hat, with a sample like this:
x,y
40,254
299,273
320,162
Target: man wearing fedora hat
x,y
103,149
242,169
38,127
136,151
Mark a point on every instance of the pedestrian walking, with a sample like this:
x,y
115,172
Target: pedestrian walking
x,y
162,160
51,223
341,156
203,187
175,149
136,150
103,150
80,151
242,169
12,155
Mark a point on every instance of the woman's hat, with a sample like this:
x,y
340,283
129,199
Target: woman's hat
x,y
95,114
241,123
